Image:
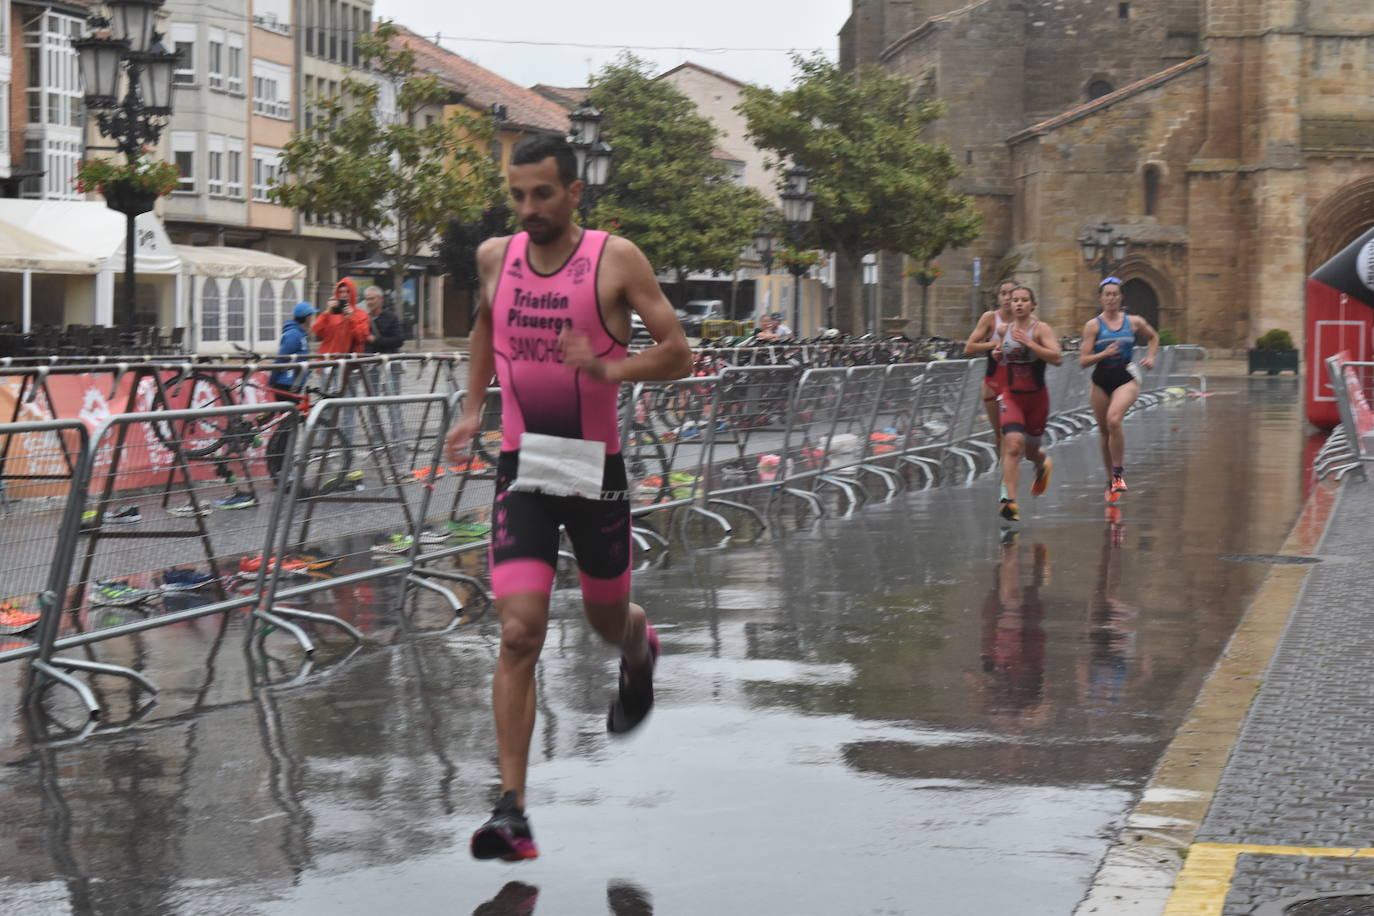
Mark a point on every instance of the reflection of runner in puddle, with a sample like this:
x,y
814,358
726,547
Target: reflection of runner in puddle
x,y
1111,627
515,899
1013,644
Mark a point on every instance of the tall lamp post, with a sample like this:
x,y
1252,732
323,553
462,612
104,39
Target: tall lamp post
x,y
593,155
798,204
1103,251
134,50
763,247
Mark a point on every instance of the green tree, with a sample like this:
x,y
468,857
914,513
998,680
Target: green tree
x,y
376,169
666,192
878,185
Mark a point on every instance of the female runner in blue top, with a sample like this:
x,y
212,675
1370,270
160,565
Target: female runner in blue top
x,y
1108,343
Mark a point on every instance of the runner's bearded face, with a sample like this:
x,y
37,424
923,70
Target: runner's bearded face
x,y
542,202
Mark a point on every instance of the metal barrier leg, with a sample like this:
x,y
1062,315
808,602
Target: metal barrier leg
x,y
301,613
81,664
306,645
81,690
749,510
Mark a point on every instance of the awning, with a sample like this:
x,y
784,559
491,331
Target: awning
x,y
222,261
22,250
93,232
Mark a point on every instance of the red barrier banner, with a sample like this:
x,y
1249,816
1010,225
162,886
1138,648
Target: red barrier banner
x,y
144,460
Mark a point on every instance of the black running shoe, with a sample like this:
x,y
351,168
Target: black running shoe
x,y
636,697
506,834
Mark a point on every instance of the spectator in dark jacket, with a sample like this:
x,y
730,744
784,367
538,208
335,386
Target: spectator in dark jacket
x,y
385,338
295,341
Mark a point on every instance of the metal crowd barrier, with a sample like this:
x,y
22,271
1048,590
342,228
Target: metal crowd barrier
x,y
282,512
1348,448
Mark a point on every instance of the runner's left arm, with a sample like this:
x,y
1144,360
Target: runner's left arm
x,y
1045,345
1141,326
670,357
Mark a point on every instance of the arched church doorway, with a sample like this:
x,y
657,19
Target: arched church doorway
x,y
1140,298
1338,220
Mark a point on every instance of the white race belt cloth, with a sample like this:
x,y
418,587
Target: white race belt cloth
x,y
560,467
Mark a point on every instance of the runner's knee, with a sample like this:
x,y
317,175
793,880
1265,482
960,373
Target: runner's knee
x,y
522,634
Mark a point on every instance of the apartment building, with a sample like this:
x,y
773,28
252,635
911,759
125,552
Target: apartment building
x,y
43,137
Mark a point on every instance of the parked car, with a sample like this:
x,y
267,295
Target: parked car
x,y
695,311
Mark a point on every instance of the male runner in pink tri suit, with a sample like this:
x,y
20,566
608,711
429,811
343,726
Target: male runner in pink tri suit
x,y
553,323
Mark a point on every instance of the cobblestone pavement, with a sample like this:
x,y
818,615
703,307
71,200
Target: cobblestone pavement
x,y
1293,814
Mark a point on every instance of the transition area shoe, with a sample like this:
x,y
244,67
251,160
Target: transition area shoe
x,y
124,516
636,696
250,566
119,593
237,500
506,834
179,578
189,510
469,531
1042,477
14,620
429,535
392,543
1009,511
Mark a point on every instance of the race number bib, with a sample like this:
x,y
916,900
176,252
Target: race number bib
x,y
560,467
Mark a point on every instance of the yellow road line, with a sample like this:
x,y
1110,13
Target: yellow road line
x,y
1202,886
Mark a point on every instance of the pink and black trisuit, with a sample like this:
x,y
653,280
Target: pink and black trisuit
x,y
541,395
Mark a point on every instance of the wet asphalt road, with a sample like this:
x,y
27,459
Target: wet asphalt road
x,y
895,713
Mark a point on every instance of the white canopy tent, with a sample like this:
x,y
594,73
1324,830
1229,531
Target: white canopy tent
x,y
239,296
225,296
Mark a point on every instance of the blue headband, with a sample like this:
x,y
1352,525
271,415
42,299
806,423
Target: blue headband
x,y
1116,280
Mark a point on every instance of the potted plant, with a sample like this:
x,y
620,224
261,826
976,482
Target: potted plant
x,y
1273,352
131,187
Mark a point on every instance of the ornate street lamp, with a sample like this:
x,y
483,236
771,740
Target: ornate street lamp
x,y
134,51
798,204
593,155
763,245
1103,251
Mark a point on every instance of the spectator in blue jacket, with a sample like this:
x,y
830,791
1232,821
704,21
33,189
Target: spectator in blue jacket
x,y
295,341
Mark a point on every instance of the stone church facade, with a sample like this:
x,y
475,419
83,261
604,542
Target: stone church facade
x,y
1231,141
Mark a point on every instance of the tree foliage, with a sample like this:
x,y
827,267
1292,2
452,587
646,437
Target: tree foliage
x,y
878,185
666,192
381,172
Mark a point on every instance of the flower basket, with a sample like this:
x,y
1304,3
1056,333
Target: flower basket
x,y
129,198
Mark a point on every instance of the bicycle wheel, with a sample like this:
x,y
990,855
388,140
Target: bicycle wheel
x,y
199,437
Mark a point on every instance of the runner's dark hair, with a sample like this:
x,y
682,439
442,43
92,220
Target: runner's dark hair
x,y
540,147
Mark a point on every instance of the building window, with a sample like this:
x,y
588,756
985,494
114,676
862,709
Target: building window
x,y
211,319
1151,189
214,172
233,73
53,88
235,313
214,63
1123,11
267,312
184,157
273,15
233,158
1098,88
266,170
184,43
271,90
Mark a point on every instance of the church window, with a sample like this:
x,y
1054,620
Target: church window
x,y
1123,11
1151,189
1098,88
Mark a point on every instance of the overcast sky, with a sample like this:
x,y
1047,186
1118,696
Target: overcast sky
x,y
684,24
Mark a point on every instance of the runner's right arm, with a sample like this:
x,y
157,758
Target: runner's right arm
x,y
481,359
979,342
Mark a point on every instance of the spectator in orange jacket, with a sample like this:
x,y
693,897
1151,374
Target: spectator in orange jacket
x,y
343,327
